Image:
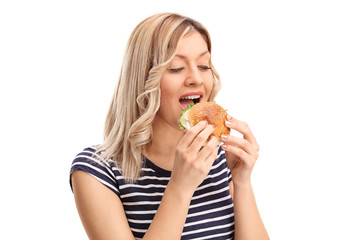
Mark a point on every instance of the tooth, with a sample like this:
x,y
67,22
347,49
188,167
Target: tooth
x,y
191,97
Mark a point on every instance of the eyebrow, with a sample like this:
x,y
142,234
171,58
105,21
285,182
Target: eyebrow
x,y
202,54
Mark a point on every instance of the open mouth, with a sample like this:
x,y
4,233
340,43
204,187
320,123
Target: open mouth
x,y
187,100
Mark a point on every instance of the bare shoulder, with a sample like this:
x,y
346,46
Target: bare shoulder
x,y
100,209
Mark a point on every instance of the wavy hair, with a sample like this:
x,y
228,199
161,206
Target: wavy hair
x,y
136,100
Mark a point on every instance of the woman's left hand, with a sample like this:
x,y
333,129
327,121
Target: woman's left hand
x,y
241,153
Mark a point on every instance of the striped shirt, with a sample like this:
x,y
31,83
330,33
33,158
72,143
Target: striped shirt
x,y
210,215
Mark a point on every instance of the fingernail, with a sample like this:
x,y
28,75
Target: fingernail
x,y
229,117
224,137
204,122
224,146
227,123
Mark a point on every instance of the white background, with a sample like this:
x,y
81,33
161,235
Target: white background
x,y
289,68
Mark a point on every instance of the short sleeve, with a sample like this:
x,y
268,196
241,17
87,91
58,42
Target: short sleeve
x,y
91,163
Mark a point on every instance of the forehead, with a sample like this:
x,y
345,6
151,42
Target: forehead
x,y
191,44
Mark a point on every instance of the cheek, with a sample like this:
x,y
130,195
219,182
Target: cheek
x,y
164,86
167,94
209,84
169,85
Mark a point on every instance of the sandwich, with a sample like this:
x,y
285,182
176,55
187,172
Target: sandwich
x,y
213,113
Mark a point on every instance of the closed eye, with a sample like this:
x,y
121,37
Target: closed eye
x,y
175,70
204,67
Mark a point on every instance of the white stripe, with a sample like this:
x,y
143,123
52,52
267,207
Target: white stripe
x,y
221,153
94,168
141,194
153,178
93,147
210,202
208,229
210,211
147,177
98,161
216,235
147,169
92,153
98,156
211,193
141,212
119,177
142,186
138,230
213,176
106,183
209,220
139,221
141,203
216,174
219,163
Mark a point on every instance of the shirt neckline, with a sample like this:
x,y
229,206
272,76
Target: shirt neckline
x,y
153,166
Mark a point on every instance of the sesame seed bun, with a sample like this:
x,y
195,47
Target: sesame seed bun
x,y
213,113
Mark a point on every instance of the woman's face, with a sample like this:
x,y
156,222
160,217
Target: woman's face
x,y
187,80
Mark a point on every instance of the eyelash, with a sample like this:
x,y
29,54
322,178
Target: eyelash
x,y
204,67
175,70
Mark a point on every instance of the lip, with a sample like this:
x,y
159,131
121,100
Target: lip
x,y
190,94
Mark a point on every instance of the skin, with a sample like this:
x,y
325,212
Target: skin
x,y
182,153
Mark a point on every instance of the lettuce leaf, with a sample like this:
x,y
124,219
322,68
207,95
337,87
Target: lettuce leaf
x,y
182,113
180,125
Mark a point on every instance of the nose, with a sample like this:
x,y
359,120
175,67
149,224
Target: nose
x,y
194,77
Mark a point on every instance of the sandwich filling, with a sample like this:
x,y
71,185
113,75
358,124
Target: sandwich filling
x,y
184,122
186,101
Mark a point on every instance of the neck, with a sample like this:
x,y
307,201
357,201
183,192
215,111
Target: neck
x,y
165,138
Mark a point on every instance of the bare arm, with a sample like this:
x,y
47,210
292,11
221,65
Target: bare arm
x,y
103,215
241,155
100,210
248,222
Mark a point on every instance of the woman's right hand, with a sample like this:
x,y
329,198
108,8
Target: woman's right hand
x,y
193,159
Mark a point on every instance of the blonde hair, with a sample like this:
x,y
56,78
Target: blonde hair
x,y
136,100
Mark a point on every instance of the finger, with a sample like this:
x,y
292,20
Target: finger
x,y
250,148
241,127
209,151
244,156
191,134
201,138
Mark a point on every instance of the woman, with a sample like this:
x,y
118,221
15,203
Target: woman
x,y
151,180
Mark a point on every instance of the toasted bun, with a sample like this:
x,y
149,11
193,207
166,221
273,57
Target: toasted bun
x,y
213,113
